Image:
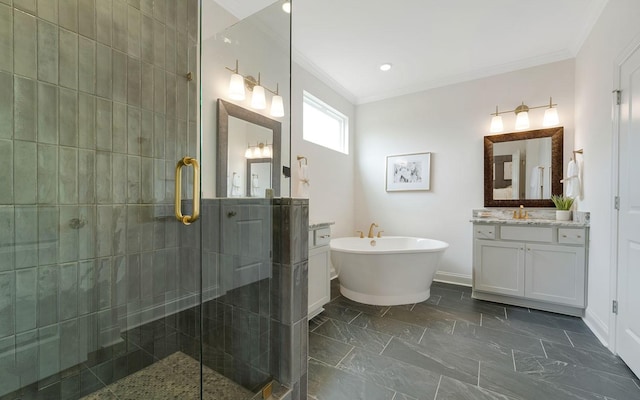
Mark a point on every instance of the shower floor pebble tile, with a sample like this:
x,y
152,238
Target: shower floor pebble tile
x,y
174,377
468,350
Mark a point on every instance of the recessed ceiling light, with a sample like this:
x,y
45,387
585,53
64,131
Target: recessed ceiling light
x,y
385,67
286,7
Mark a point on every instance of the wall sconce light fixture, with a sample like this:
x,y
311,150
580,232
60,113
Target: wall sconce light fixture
x,y
260,150
522,117
238,83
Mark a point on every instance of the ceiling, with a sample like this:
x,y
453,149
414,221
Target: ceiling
x,y
430,43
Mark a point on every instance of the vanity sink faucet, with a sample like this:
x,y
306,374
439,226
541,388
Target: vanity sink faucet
x,y
521,214
373,225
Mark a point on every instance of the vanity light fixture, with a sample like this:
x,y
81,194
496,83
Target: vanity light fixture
x,y
551,115
286,7
260,150
277,104
522,117
238,83
258,99
496,122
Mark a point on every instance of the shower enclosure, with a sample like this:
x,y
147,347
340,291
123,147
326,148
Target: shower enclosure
x,y
103,292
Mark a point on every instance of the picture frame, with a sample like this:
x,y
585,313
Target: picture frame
x,y
406,172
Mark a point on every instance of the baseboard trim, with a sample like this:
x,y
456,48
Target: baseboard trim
x,y
598,327
453,278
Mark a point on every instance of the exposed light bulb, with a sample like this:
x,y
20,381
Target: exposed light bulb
x,y
385,67
258,100
286,7
248,153
277,106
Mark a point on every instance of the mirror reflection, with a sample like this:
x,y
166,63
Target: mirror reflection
x,y
248,152
258,177
247,141
523,168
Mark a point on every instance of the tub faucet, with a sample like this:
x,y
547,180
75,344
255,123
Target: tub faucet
x,y
373,225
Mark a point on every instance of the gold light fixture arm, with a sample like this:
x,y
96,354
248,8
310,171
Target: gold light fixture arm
x,y
188,219
250,81
524,107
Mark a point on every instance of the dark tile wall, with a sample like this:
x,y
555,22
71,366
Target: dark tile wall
x,y
289,323
255,327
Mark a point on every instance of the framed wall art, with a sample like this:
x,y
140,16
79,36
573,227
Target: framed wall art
x,y
408,172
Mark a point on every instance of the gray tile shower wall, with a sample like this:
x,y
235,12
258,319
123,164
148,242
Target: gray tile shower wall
x,y
289,322
237,279
95,111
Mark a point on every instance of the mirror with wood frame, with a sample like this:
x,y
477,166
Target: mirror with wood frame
x,y
523,168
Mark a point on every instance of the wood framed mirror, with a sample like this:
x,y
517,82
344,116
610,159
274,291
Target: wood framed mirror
x,y
523,168
233,176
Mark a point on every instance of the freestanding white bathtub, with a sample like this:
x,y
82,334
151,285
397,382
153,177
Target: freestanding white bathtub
x,y
386,271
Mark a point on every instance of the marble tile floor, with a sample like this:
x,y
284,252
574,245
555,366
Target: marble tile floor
x,y
452,347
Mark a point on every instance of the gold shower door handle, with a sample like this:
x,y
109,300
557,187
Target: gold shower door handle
x,y
188,219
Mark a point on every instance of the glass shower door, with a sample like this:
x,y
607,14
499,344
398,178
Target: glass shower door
x,y
97,277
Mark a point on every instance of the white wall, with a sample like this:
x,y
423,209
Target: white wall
x,y
331,174
595,70
449,122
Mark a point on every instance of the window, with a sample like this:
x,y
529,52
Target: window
x,y
324,125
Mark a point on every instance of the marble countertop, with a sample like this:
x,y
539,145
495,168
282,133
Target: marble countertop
x,y
531,221
317,225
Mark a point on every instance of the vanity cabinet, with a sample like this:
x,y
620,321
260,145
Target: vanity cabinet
x,y
534,266
319,268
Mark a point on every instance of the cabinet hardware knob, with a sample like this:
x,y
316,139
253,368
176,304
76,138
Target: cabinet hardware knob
x,y
324,236
564,236
231,214
579,236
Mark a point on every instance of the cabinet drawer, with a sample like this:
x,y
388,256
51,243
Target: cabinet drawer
x,y
571,236
485,231
322,236
527,233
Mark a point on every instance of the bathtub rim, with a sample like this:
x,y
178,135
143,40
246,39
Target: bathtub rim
x,y
441,246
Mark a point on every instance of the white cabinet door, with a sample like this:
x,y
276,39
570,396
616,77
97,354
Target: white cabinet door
x,y
319,283
555,274
499,267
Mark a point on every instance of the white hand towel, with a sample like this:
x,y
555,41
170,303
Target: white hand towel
x,y
573,180
535,183
235,185
255,185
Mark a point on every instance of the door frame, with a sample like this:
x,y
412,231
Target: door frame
x,y
615,189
